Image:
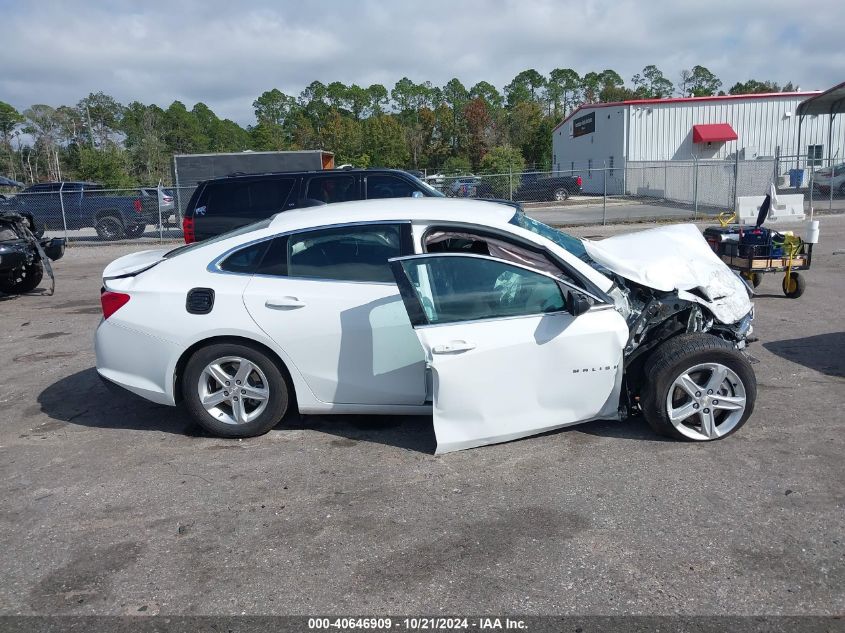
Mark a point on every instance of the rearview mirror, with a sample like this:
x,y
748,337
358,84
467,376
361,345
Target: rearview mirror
x,y
576,303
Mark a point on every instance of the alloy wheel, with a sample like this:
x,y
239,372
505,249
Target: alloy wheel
x,y
233,390
706,401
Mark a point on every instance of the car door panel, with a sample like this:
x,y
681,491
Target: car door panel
x,y
352,342
502,378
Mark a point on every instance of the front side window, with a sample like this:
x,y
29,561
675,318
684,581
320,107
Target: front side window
x,y
386,186
352,253
331,189
458,288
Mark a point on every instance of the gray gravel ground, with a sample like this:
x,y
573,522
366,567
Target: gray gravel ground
x,y
117,506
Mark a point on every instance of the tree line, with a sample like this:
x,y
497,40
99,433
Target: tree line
x,y
452,128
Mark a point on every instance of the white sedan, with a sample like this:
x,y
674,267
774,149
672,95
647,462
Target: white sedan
x,y
501,326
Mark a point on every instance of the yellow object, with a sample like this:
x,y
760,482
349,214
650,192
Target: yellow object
x,y
725,218
791,246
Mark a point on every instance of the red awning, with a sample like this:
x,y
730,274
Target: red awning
x,y
713,133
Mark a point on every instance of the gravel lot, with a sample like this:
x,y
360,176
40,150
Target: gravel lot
x,y
117,506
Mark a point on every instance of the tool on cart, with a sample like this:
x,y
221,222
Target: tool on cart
x,y
753,251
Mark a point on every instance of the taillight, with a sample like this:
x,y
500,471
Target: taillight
x,y
578,181
137,205
112,302
188,230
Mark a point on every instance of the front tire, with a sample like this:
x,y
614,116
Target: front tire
x,y
700,388
793,285
561,194
135,231
234,390
23,280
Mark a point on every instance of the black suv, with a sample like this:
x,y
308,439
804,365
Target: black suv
x,y
223,204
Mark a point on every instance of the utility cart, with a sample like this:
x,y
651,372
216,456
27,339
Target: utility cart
x,y
753,260
755,250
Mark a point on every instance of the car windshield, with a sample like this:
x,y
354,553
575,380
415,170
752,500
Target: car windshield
x,y
256,226
431,190
564,240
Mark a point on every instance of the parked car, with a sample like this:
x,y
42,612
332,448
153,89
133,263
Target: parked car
x,y
467,187
828,177
501,326
223,204
155,202
534,187
85,204
23,255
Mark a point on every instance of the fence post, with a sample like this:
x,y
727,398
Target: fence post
x,y
665,178
510,182
62,204
736,180
695,188
160,221
811,187
830,160
604,197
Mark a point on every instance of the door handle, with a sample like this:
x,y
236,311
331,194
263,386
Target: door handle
x,y
453,347
284,303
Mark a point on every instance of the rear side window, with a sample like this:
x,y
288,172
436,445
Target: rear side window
x,y
386,186
353,253
250,199
335,188
245,260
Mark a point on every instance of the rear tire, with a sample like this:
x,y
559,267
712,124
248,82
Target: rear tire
x,y
715,401
561,194
221,404
110,227
25,279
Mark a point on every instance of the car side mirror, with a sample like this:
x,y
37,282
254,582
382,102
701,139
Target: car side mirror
x,y
416,194
576,303
55,248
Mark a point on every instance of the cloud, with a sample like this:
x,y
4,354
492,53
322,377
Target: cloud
x,y
226,53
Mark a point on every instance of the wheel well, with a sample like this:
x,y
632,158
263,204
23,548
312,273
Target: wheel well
x,y
109,213
240,340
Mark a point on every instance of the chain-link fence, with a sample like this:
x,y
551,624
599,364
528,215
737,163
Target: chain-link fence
x,y
590,192
586,193
84,212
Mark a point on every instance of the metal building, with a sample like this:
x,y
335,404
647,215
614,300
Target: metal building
x,y
602,139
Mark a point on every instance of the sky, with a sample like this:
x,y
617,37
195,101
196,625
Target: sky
x,y
226,53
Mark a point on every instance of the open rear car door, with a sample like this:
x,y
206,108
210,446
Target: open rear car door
x,y
513,351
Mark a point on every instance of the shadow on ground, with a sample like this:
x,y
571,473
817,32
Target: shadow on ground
x,y
824,352
83,399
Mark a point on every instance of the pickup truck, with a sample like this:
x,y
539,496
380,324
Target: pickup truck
x,y
536,187
85,204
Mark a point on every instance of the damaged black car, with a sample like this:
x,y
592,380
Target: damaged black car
x,y
25,254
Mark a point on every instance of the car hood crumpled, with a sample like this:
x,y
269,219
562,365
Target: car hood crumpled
x,y
678,258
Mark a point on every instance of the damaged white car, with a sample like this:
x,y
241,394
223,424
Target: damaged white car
x,y
500,326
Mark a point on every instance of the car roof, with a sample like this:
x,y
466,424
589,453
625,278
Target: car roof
x,y
392,209
317,172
